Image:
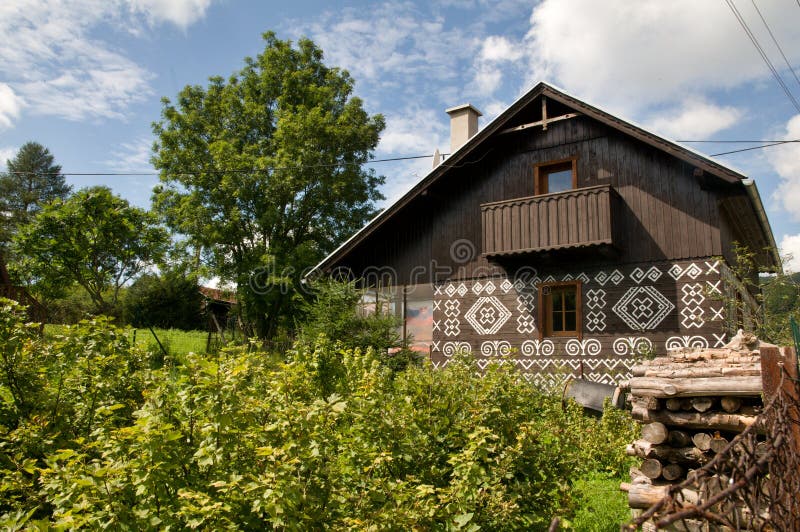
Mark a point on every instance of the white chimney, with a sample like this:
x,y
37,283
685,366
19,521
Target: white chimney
x,y
463,124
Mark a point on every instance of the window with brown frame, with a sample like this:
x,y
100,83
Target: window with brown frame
x,y
560,309
555,176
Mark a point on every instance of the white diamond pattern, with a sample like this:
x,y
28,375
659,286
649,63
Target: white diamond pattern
x,y
643,307
487,315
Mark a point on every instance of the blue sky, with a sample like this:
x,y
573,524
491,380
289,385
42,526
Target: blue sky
x,y
85,77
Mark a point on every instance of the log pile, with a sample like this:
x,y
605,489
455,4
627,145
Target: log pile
x,y
691,402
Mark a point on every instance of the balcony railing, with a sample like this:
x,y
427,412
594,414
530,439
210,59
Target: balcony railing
x,y
572,219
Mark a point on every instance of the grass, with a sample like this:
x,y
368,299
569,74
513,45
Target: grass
x,y
602,507
175,341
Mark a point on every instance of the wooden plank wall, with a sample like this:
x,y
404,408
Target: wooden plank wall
x,y
664,213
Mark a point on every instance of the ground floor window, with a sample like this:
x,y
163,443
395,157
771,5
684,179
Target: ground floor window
x,y
560,309
412,305
418,330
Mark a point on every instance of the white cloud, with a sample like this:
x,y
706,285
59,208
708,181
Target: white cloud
x,y
786,161
487,79
10,106
414,131
6,153
393,47
694,119
632,54
790,250
132,156
497,48
54,62
182,13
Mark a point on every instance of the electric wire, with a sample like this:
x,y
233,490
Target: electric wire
x,y
765,144
761,52
752,148
774,40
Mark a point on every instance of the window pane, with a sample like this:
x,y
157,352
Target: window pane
x,y
559,181
419,316
557,301
569,321
558,321
569,299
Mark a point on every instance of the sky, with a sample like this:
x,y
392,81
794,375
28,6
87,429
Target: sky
x,y
85,78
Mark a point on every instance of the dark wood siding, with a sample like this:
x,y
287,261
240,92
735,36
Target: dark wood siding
x,y
663,212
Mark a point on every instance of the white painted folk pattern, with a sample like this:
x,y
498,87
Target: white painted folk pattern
x,y
643,308
487,315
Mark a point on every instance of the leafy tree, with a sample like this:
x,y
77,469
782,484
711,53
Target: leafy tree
x,y
32,179
95,239
263,173
170,300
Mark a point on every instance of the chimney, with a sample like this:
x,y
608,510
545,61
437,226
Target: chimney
x,y
463,124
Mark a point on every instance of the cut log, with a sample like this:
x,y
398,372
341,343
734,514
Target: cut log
x,y
691,387
695,420
650,403
694,371
688,456
673,404
718,443
731,404
644,496
665,453
679,438
672,472
655,432
702,404
637,477
651,468
702,441
686,404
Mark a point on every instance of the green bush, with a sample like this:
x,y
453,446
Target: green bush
x,y
330,438
334,313
170,301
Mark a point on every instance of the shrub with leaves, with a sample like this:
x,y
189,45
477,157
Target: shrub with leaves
x,y
330,438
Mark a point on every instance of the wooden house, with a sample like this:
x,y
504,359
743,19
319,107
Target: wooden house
x,y
564,240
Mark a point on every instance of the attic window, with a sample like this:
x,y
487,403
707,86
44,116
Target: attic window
x,y
555,176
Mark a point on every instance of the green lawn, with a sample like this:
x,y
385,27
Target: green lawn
x,y
175,341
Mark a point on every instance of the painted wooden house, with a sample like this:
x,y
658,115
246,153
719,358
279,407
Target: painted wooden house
x,y
564,240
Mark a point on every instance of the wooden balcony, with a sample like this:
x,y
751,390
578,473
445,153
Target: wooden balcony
x,y
572,219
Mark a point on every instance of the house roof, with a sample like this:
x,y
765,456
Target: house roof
x,y
685,153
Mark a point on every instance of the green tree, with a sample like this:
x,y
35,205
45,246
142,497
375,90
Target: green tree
x,y
171,300
31,180
95,239
263,173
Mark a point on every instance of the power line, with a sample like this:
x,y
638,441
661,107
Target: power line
x,y
762,141
753,148
776,41
228,170
753,39
765,144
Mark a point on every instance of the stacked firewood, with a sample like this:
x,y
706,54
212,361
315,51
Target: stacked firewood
x,y
692,402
